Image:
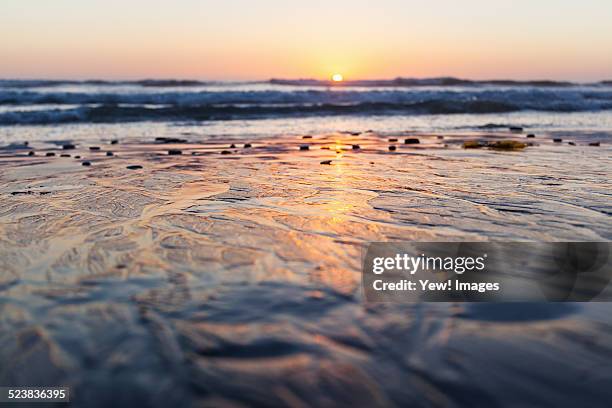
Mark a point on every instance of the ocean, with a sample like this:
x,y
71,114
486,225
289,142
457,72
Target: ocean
x,y
143,108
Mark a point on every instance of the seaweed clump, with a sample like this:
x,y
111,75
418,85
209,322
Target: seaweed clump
x,y
500,144
473,144
507,145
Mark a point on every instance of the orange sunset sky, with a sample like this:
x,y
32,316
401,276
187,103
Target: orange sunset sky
x,y
241,39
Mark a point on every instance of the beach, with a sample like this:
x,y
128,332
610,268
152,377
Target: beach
x,y
192,269
305,204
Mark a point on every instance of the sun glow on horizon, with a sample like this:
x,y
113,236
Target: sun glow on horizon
x,y
242,40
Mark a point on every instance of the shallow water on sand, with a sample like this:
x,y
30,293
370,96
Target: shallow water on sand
x,y
210,278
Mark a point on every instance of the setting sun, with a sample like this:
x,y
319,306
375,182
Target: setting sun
x,y
337,78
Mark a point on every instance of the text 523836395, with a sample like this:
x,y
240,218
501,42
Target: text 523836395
x,y
34,394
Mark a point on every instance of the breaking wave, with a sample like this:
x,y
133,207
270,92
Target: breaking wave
x,y
173,100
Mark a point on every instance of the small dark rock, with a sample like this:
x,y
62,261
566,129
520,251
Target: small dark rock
x,y
174,152
594,144
325,147
326,162
94,148
77,157
356,146
516,129
68,146
134,167
232,146
306,137
440,137
169,140
86,163
50,154
304,147
26,143
114,141
530,135
247,145
571,143
64,155
392,148
110,154
412,140
557,140
393,139
226,152
31,153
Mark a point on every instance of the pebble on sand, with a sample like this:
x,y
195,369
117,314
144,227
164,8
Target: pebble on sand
x,y
440,137
68,146
326,162
530,135
557,140
571,143
356,146
31,153
594,144
86,163
304,147
393,139
169,140
232,146
392,148
247,145
64,155
114,141
110,154
174,152
50,154
94,148
516,129
77,157
226,152
412,140
134,167
306,137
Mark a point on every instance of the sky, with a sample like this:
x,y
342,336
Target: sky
x,y
250,40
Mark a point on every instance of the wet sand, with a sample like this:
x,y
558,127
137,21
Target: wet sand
x,y
225,274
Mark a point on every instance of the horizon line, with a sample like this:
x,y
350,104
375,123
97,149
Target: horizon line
x,y
280,80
